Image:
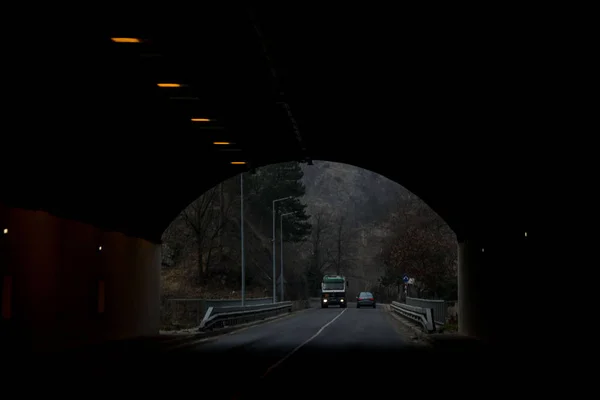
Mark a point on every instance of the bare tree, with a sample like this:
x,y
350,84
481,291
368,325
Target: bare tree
x,y
320,231
423,246
343,254
176,240
206,217
317,242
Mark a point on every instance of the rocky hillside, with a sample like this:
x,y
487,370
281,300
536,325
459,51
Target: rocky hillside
x,y
341,187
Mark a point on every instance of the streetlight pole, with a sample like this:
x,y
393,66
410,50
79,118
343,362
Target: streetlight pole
x,y
281,249
242,238
274,251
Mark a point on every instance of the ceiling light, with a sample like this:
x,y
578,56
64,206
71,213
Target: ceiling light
x,y
200,120
125,40
168,85
222,143
238,162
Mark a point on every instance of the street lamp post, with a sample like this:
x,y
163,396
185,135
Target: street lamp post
x,y
242,238
274,251
281,249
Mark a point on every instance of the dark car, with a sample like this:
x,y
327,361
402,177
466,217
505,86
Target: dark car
x,y
365,299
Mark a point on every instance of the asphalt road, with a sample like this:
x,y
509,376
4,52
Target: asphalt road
x,y
348,351
317,342
270,347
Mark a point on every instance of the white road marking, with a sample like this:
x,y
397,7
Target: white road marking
x,y
278,363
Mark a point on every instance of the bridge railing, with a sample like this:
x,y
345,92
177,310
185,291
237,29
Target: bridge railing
x,y
424,316
440,307
220,317
193,310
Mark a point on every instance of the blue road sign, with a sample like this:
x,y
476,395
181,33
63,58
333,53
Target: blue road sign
x,y
405,278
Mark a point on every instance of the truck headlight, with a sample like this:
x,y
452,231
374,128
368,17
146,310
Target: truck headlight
x,y
324,300
341,300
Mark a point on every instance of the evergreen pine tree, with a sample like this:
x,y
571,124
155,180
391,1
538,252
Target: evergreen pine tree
x,y
275,182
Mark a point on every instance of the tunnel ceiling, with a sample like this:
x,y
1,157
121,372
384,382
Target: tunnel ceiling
x,y
443,105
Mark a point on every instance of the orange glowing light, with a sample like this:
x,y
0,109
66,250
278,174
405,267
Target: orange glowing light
x,y
170,85
125,40
238,162
200,120
221,143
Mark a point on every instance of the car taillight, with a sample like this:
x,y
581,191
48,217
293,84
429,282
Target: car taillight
x,y
360,298
372,299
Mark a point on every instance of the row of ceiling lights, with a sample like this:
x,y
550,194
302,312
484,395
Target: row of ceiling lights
x,y
176,85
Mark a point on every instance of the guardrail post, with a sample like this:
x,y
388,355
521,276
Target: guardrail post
x,y
430,320
206,317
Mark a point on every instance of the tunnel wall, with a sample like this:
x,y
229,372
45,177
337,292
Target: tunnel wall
x,y
66,283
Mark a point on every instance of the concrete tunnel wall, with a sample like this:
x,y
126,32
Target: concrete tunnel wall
x,y
66,283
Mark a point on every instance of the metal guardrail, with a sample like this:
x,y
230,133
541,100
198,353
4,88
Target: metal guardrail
x,y
440,307
196,308
220,317
423,316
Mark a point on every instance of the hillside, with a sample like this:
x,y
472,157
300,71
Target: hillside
x,y
366,200
336,186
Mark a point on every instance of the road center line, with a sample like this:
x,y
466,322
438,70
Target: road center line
x,y
278,363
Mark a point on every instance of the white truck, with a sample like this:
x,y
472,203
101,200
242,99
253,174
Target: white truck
x,y
333,291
